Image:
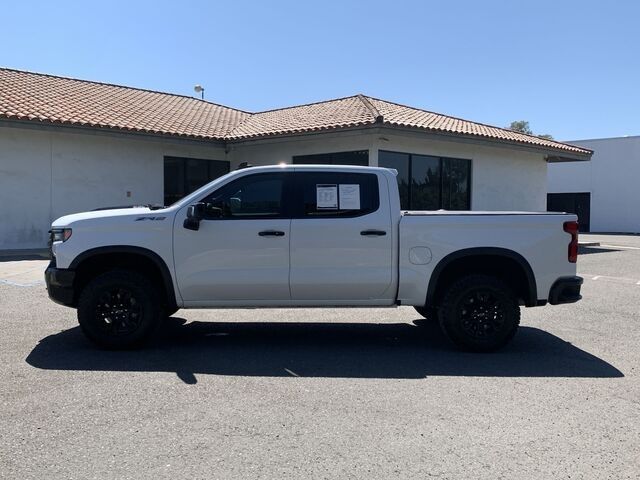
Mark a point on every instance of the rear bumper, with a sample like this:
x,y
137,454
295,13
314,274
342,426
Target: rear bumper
x,y
60,285
565,290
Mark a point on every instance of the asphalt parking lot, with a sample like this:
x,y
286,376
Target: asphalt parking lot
x,y
350,393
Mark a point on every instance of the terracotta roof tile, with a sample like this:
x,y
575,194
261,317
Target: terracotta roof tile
x,y
45,98
341,113
403,116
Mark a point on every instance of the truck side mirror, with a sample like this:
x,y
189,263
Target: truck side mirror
x,y
195,213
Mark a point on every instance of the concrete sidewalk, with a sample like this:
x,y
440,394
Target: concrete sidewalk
x,y
23,273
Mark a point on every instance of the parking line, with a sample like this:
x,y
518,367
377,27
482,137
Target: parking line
x,y
608,277
622,247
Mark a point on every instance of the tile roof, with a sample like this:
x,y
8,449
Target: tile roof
x,y
403,116
340,113
50,99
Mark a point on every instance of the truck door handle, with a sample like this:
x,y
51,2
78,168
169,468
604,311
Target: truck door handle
x,y
373,233
271,233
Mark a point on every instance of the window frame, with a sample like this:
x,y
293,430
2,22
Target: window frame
x,y
441,186
297,204
330,156
285,198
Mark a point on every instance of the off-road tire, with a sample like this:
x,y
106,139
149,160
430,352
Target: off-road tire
x,y
479,313
119,309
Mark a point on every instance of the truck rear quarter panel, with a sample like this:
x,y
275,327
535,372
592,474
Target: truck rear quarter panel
x,y
539,238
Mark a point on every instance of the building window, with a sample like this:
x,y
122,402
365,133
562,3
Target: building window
x,y
430,183
360,158
185,175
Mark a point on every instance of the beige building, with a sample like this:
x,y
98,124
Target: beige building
x,y
70,145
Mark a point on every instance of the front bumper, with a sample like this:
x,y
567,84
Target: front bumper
x,y
60,285
565,290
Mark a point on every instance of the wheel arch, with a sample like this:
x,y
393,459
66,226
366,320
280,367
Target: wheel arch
x,y
100,259
500,262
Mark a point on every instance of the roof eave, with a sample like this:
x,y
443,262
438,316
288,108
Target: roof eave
x,y
552,155
549,152
70,127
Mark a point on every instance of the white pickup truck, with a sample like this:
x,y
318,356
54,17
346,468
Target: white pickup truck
x,y
309,236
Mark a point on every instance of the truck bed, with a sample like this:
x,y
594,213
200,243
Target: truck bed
x,y
419,213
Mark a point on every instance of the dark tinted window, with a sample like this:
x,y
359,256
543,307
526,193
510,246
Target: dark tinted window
x,y
456,178
425,182
430,183
400,162
185,175
332,194
359,158
254,196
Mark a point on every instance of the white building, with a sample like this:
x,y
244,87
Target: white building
x,y
70,145
604,192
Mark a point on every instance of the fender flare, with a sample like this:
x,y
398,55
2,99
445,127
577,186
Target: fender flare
x,y
157,260
532,297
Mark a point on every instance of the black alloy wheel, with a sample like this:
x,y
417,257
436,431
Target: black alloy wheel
x,y
119,312
120,309
479,313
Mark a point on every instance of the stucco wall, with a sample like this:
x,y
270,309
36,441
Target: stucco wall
x,y
45,174
270,152
501,178
611,176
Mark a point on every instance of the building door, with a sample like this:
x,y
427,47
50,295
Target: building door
x,y
578,203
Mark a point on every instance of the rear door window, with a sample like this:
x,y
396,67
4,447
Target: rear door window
x,y
335,194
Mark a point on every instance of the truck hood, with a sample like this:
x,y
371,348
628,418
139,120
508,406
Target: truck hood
x,y
69,220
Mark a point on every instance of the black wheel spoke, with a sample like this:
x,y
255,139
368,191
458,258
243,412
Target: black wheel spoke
x,y
118,312
481,313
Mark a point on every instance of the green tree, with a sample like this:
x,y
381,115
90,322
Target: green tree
x,y
522,126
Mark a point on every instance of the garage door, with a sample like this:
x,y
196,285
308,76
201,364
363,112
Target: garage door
x,y
578,203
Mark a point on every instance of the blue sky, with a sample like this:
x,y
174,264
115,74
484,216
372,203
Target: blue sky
x,y
571,68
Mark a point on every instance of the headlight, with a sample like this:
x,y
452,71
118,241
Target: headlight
x,y
60,234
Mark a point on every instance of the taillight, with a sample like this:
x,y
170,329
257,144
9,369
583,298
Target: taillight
x,y
572,228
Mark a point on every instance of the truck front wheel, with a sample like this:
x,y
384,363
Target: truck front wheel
x,y
479,313
119,309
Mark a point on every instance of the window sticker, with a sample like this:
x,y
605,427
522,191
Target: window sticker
x,y
327,197
349,196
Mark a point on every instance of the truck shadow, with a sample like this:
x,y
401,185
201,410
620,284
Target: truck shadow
x,y
592,250
349,350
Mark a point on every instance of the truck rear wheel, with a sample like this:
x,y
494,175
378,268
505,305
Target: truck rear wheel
x,y
119,309
479,313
